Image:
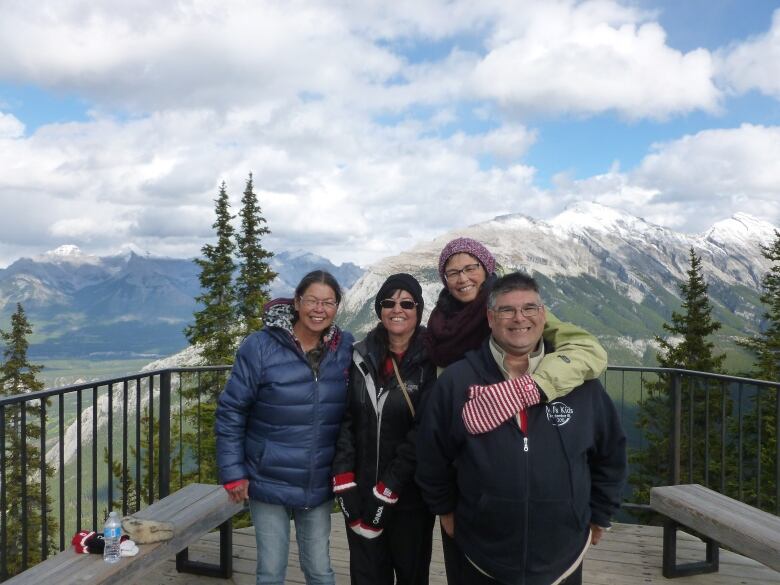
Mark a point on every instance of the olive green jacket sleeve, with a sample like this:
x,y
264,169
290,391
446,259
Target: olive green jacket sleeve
x,y
578,356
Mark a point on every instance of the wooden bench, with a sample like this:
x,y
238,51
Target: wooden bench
x,y
718,519
193,511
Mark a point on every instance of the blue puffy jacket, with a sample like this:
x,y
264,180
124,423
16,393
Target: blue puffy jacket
x,y
277,420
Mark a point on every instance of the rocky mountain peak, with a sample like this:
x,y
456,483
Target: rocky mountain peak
x,y
600,267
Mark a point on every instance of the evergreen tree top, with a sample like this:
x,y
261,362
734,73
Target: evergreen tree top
x,y
255,273
17,374
694,324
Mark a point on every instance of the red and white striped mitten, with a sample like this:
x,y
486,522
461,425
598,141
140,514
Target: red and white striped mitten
x,y
490,406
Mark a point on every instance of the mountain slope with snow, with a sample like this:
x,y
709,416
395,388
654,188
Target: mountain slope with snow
x,y
613,273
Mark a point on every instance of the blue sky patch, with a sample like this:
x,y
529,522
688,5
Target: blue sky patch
x,y
35,106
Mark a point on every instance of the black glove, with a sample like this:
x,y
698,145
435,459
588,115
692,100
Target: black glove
x,y
346,492
376,510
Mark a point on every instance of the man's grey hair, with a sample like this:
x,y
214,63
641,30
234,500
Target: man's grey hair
x,y
509,283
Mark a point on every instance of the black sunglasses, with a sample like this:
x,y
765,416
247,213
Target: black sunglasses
x,y
390,303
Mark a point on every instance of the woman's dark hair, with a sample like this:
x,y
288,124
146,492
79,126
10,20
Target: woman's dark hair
x,y
322,277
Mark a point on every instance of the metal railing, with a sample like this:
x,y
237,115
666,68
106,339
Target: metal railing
x,y
128,441
105,444
721,430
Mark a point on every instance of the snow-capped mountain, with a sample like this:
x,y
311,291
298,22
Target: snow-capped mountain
x,y
127,305
613,273
292,266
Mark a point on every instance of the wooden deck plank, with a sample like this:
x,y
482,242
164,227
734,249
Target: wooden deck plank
x,y
628,555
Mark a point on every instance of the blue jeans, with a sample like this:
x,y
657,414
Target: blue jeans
x,y
312,531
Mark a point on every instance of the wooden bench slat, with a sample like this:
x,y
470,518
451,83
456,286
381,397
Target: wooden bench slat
x,y
737,525
193,510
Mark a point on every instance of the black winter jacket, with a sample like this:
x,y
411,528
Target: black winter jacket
x,y
522,501
380,446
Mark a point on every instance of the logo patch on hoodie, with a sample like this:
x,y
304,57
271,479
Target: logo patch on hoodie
x,y
559,413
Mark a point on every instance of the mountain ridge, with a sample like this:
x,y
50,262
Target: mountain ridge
x,y
613,273
122,305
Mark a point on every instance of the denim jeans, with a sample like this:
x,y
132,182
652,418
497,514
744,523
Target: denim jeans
x,y
312,531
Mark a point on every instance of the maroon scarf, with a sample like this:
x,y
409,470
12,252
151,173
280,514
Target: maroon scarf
x,y
455,328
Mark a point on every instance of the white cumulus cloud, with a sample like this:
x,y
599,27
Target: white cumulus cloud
x,y
692,182
592,57
754,63
10,126
368,125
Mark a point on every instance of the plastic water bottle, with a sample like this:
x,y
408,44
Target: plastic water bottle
x,y
112,532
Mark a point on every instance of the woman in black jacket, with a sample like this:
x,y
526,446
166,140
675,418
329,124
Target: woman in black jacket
x,y
389,527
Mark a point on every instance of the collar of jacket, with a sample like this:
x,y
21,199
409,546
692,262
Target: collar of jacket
x,y
534,358
484,363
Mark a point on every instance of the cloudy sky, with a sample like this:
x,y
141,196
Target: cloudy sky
x,y
371,125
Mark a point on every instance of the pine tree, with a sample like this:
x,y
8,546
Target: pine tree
x,y
214,328
766,345
694,325
762,420
22,452
255,274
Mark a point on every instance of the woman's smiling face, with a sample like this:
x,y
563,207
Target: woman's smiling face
x,y
398,321
465,275
316,308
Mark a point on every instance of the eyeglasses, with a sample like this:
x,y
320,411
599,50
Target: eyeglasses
x,y
391,303
466,270
511,312
311,302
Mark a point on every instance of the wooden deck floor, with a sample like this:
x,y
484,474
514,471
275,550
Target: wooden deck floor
x,y
628,555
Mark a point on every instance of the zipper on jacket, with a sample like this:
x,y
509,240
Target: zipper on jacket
x,y
316,414
378,434
523,416
315,437
524,429
380,407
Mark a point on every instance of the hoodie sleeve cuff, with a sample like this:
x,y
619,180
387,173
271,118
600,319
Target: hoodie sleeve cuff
x,y
343,482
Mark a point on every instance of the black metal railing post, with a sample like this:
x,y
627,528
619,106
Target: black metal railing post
x,y
42,469
164,460
723,427
150,438
97,523
676,430
3,506
110,447
79,518
61,464
22,434
777,451
758,449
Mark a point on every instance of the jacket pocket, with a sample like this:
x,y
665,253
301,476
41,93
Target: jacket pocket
x,y
556,531
255,455
498,519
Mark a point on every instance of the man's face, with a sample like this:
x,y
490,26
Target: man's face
x,y
517,334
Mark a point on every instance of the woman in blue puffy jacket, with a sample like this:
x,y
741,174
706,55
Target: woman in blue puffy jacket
x,y
277,422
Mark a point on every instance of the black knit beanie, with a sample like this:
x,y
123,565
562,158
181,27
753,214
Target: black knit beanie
x,y
400,281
